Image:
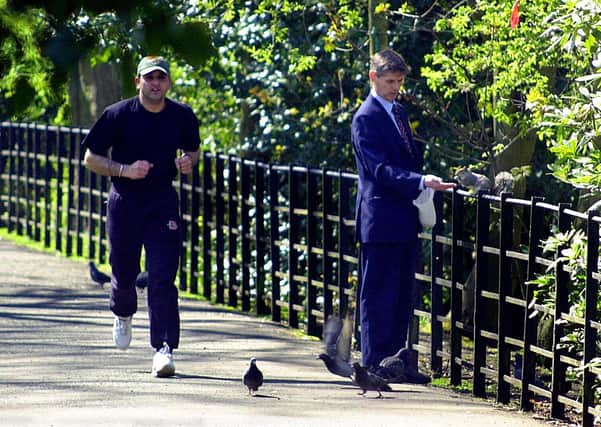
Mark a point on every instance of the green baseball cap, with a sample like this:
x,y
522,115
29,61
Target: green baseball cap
x,y
148,64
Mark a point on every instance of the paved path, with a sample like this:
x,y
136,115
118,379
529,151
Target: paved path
x,y
58,366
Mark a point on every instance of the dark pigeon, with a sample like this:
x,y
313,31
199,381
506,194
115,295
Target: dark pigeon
x,y
400,368
337,334
142,280
367,381
97,275
392,368
253,377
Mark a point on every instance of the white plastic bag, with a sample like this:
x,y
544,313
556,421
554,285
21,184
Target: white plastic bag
x,y
425,207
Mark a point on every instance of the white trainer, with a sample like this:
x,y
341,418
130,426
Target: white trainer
x,y
162,362
122,332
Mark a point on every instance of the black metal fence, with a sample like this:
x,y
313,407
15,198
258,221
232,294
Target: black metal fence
x,y
508,292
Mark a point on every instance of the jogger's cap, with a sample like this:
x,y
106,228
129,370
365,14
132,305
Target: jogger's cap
x,y
148,64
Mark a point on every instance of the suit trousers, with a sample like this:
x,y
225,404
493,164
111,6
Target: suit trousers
x,y
150,221
386,298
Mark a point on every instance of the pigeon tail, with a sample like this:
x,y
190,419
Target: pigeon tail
x,y
336,366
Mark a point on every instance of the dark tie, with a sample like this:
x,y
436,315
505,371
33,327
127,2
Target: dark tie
x,y
397,112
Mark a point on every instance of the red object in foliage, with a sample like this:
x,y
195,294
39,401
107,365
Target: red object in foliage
x,y
514,21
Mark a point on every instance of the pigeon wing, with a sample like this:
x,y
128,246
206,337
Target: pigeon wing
x,y
343,343
331,333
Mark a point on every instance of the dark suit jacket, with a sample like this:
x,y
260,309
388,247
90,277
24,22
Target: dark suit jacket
x,y
388,177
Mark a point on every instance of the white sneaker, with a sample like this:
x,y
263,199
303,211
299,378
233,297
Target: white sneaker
x,y
162,362
122,332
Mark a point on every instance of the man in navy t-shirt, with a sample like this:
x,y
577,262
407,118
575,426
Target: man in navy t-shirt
x,y
144,135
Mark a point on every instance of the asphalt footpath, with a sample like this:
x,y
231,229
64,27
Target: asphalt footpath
x,y
58,366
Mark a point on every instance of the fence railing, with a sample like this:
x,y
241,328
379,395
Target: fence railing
x,y
499,305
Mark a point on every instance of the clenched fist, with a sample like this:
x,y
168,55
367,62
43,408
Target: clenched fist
x,y
184,164
137,170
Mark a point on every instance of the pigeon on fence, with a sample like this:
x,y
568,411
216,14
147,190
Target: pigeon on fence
x,y
367,381
504,183
475,182
97,275
337,335
253,377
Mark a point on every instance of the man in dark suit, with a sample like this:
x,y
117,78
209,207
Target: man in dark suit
x,y
389,164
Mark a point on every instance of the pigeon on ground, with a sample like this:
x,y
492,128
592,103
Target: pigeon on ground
x,y
253,377
400,368
367,381
392,368
337,334
97,275
142,280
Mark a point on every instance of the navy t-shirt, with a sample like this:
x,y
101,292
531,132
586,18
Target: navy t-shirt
x,y
134,133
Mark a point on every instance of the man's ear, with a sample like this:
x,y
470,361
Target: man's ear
x,y
372,75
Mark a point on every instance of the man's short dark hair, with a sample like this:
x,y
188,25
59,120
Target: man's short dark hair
x,y
388,60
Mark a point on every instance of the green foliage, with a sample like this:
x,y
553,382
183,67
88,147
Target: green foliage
x,y
480,62
571,251
281,82
43,41
570,248
570,119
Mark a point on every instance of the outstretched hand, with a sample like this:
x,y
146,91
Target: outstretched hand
x,y
437,184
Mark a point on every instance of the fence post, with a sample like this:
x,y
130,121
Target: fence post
x,y
47,188
58,212
91,178
343,199
232,231
530,323
183,250
328,244
4,156
18,181
561,306
274,226
293,228
482,232
70,192
505,244
12,168
194,230
102,207
590,315
207,217
28,178
245,234
456,297
260,238
436,267
219,244
311,234
76,157
37,216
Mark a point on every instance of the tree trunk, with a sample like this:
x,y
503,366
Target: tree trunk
x,y
377,25
91,90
